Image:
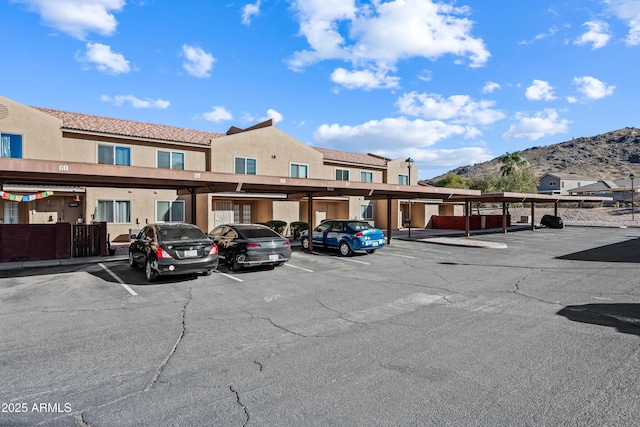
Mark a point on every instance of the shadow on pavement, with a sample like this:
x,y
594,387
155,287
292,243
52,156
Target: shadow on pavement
x,y
628,251
624,317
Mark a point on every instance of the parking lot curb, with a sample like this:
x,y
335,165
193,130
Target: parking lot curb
x,y
18,265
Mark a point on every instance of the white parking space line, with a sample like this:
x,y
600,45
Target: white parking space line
x,y
299,268
229,276
402,256
119,280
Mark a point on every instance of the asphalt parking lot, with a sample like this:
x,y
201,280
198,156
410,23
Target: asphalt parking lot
x,y
543,332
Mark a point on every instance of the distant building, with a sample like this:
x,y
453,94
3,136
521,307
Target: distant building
x,y
555,183
619,189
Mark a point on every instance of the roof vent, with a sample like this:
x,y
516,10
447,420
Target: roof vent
x,y
4,111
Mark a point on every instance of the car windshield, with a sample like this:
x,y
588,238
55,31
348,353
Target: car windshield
x,y
171,234
254,232
359,225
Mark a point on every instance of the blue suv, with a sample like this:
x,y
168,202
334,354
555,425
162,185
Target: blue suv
x,y
346,235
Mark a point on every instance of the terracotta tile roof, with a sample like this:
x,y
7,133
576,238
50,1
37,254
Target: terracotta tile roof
x,y
121,127
346,156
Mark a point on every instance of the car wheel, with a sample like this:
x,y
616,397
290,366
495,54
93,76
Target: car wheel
x,y
279,264
305,243
235,265
149,272
207,272
132,261
345,249
371,251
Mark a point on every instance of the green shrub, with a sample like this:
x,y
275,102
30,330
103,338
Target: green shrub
x,y
276,225
296,228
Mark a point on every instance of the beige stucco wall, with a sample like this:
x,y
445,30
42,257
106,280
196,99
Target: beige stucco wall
x,y
397,167
41,136
273,150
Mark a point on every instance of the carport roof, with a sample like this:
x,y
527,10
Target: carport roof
x,y
526,198
47,172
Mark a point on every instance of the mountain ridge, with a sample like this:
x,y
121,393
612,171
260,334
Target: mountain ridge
x,y
608,156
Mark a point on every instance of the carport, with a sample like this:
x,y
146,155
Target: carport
x,y
504,198
47,172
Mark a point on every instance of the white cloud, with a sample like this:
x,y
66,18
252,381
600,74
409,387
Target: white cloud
x,y
541,36
250,10
272,114
598,34
78,17
135,102
440,158
593,88
218,114
490,87
460,109
366,79
105,59
629,11
390,132
540,90
377,35
543,123
198,62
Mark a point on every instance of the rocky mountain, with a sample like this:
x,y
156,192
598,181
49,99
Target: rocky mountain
x,y
608,156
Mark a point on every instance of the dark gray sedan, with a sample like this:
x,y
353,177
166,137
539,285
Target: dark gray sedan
x,y
243,245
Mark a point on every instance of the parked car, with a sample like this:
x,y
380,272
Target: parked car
x,y
346,235
243,245
551,221
165,249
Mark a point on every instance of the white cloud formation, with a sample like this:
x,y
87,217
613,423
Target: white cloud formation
x,y
390,132
593,88
540,90
598,35
490,87
427,158
105,59
272,114
119,100
629,11
198,62
459,109
250,10
78,17
218,114
541,124
377,35
366,79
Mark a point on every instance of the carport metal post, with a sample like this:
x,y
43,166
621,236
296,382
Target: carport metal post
x,y
192,191
467,209
504,217
388,220
555,208
533,215
310,220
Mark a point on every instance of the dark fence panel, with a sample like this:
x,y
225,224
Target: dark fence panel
x,y
35,242
89,239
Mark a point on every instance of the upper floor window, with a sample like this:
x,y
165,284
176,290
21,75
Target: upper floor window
x,y
366,211
342,174
114,155
10,145
170,211
366,176
245,166
552,183
117,211
403,179
170,159
299,170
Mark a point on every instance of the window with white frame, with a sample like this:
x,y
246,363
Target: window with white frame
x,y
11,212
245,165
366,176
114,155
170,159
342,174
366,211
403,179
10,145
170,211
115,211
299,170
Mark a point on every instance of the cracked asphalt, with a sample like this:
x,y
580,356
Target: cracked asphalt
x,y
543,332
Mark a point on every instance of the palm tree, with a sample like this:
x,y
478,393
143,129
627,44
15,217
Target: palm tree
x,y
511,162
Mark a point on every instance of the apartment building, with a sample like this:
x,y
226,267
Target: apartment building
x,y
262,150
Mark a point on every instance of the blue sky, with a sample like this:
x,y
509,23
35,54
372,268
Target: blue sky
x,y
446,83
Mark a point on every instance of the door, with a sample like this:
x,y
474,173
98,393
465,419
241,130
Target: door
x,y
223,214
11,213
